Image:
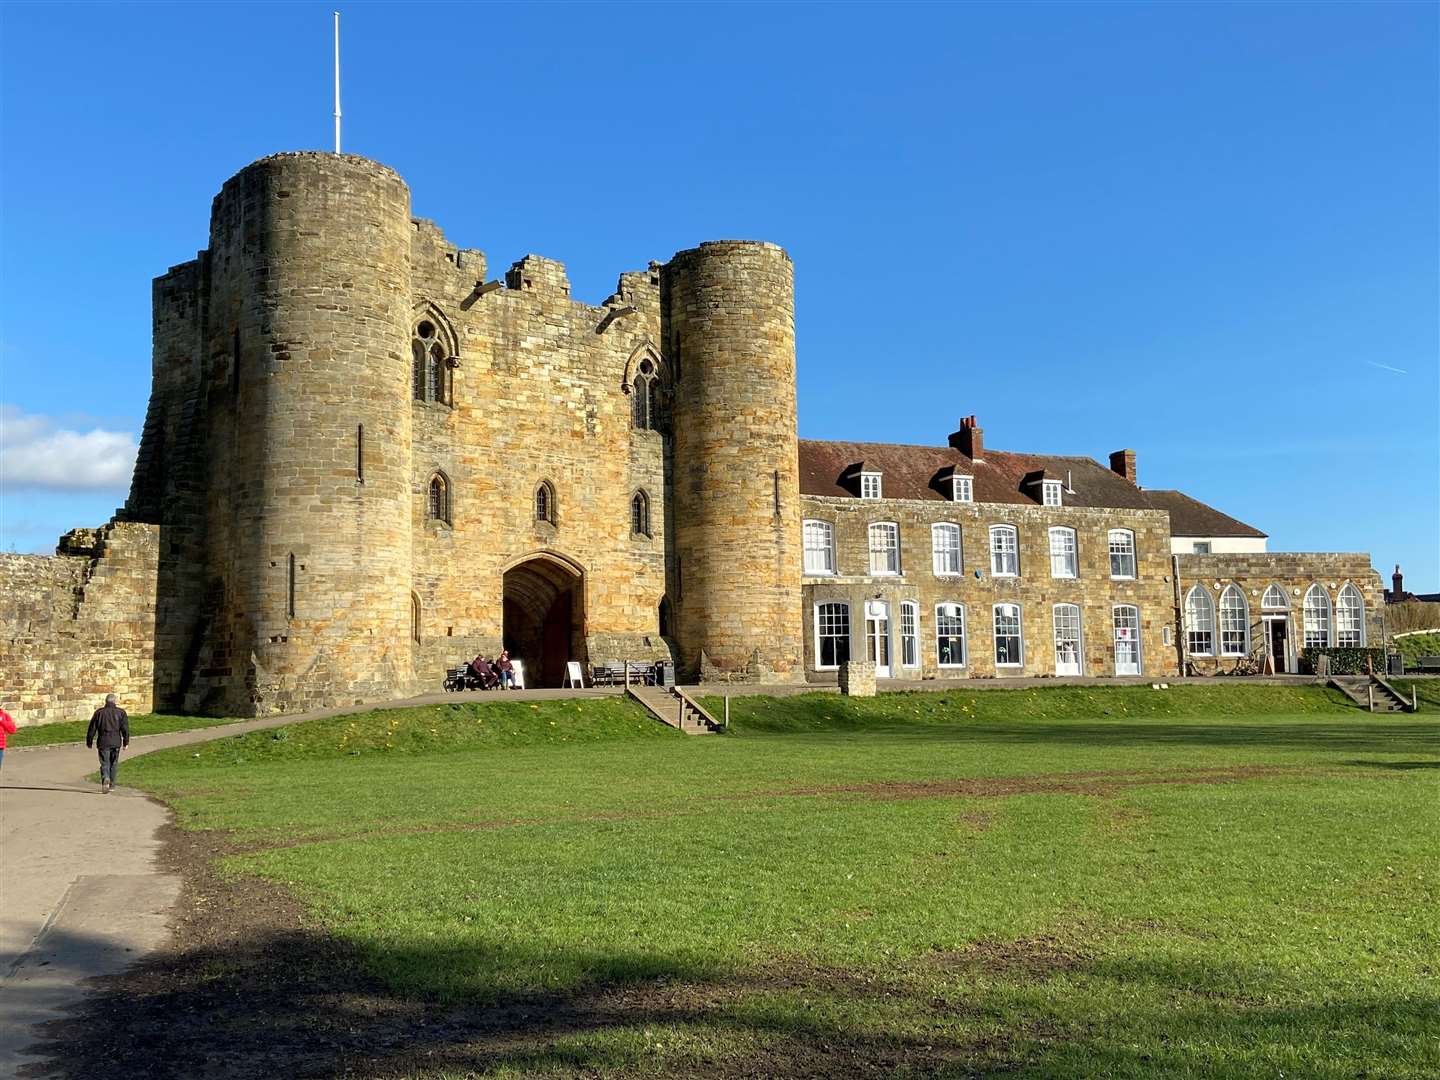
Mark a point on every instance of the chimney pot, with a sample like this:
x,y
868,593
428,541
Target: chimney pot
x,y
969,439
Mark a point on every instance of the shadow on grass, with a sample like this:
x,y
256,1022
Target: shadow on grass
x,y
299,1004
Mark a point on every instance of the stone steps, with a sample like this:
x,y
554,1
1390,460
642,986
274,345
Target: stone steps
x,y
671,707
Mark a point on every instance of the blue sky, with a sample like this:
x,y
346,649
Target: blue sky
x,y
1207,232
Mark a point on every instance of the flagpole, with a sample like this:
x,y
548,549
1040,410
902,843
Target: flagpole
x,y
337,82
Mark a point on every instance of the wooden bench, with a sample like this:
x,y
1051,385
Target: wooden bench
x,y
614,673
1426,664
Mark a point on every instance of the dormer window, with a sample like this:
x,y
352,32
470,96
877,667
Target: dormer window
x,y
869,485
1050,493
962,489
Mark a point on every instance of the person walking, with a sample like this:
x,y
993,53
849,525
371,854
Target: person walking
x,y
110,730
7,727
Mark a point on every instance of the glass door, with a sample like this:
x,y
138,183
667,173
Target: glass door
x,y
1127,640
877,636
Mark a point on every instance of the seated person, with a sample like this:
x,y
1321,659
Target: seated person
x,y
484,672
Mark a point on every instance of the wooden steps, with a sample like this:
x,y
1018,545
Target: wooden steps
x,y
670,706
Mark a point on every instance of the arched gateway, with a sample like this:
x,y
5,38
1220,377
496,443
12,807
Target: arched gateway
x,y
545,615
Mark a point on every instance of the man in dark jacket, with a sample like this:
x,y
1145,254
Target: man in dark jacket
x,y
110,730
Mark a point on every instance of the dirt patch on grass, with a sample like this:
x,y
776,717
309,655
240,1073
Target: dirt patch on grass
x,y
251,989
1029,958
1074,783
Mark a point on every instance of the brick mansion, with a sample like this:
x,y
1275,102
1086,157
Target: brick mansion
x,y
365,459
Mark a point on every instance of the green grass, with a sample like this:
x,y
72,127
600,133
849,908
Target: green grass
x,y
931,882
144,724
1416,645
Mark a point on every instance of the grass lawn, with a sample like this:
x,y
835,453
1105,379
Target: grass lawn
x,y
1230,881
144,724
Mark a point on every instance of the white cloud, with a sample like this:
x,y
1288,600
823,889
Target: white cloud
x,y
37,454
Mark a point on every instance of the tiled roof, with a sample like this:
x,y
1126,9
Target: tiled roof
x,y
922,472
1190,517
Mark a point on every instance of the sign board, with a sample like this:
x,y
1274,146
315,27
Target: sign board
x,y
518,673
573,677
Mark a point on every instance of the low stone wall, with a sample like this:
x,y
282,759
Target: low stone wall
x,y
79,625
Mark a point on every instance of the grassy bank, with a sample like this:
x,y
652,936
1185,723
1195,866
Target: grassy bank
x,y
1066,882
143,724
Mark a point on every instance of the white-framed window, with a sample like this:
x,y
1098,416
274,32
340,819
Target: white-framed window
x,y
884,548
1004,551
1009,637
1068,654
962,489
909,634
1122,553
950,635
1349,618
945,545
1275,599
1199,622
1317,617
1050,493
1200,547
1063,560
832,634
869,485
819,538
1234,622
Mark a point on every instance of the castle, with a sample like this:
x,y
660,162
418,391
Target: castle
x,y
365,460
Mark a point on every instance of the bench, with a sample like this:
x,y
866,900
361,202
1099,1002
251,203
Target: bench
x,y
614,673
1425,664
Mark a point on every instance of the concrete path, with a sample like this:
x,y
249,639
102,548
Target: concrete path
x,y
80,892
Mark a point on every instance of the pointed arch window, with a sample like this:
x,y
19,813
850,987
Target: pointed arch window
x,y
646,392
1349,618
545,502
1275,599
437,506
1199,622
1234,622
640,513
1317,617
430,359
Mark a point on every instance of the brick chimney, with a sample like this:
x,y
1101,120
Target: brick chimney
x,y
969,439
1122,463
1398,581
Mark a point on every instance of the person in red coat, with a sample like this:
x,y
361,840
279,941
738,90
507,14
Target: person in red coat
x,y
7,727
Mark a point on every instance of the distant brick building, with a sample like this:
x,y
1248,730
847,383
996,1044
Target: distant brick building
x,y
365,460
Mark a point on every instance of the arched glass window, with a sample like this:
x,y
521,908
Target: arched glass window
x,y
819,547
950,635
1199,622
945,545
885,548
832,635
545,502
646,391
1122,553
438,506
1063,560
1009,640
1234,622
1349,618
1068,654
640,513
431,372
1004,551
1275,599
1317,617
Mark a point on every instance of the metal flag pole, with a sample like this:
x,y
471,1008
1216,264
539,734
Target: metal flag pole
x,y
337,82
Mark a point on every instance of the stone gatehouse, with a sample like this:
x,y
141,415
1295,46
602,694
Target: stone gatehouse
x,y
365,459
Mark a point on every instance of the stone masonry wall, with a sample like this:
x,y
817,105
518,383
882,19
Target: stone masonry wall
x,y
75,627
1295,573
1034,590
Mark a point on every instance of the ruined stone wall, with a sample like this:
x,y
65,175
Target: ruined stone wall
x,y
543,393
77,626
1034,589
1294,573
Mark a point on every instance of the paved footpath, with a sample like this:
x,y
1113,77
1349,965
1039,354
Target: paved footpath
x,y
80,892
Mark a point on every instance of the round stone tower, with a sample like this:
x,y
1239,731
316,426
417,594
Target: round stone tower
x,y
730,309
311,296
